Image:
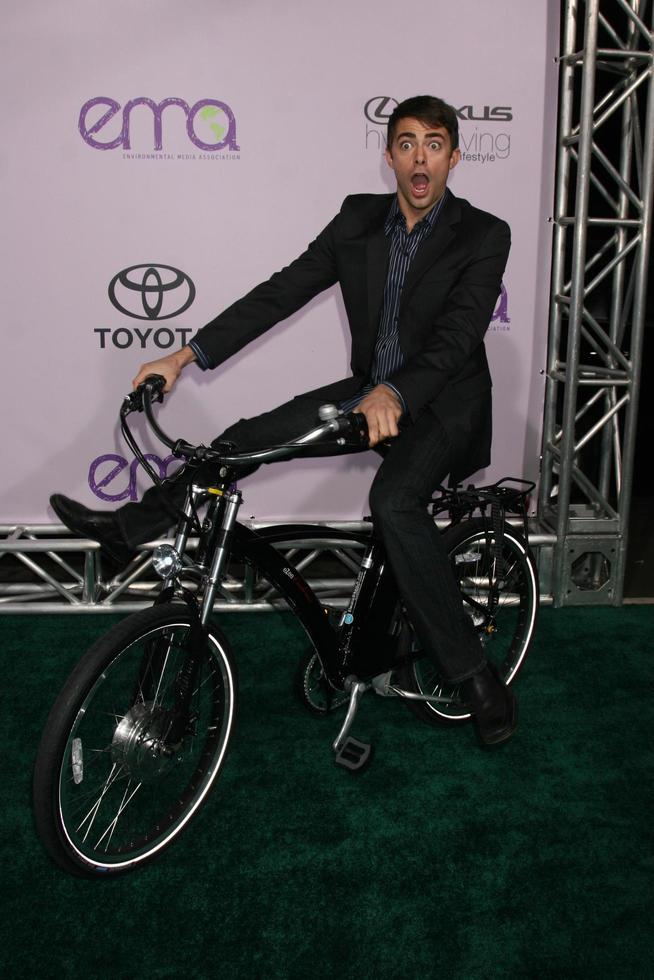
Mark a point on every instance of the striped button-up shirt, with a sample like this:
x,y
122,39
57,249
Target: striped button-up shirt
x,y
388,357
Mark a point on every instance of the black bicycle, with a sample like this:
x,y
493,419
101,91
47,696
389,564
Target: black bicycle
x,y
142,727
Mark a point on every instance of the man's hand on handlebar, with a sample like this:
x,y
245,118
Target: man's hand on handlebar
x,y
169,367
383,411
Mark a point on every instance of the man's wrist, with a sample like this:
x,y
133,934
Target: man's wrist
x,y
201,358
184,356
396,392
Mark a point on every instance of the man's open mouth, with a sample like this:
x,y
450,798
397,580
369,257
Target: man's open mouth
x,y
420,184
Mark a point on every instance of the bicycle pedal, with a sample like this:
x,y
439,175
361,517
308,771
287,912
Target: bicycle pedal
x,y
354,755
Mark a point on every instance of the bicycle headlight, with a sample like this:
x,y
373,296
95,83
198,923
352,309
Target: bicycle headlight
x,y
166,561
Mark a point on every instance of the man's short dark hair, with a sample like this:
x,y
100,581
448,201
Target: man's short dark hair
x,y
427,109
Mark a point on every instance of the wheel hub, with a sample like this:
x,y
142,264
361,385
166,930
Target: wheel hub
x,y
139,742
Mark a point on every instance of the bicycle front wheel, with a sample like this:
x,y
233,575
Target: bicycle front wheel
x,y
112,789
499,592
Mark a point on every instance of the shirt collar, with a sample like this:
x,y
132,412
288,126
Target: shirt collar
x,y
424,226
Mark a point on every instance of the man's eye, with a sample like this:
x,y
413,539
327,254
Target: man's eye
x,y
435,145
405,145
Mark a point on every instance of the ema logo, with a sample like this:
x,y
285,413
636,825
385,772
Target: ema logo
x,y
110,469
213,118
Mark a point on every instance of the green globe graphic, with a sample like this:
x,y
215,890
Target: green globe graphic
x,y
208,113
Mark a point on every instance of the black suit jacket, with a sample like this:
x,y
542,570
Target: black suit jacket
x,y
448,299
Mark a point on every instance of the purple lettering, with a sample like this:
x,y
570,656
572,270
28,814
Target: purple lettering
x,y
87,133
130,492
501,311
224,139
157,111
161,464
96,485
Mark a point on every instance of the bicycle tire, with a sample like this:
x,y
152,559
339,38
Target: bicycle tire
x,y
506,631
109,793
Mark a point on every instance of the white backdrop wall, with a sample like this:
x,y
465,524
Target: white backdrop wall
x,y
278,113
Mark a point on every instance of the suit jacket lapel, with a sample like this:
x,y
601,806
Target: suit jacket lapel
x,y
434,246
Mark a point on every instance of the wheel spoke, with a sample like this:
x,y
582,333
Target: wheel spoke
x,y
163,670
123,804
95,809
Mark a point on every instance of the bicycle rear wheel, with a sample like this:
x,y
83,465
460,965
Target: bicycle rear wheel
x,y
111,790
500,594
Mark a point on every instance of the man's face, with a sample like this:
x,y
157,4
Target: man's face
x,y
421,156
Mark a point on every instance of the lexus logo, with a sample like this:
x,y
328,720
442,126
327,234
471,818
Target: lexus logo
x,y
379,109
151,292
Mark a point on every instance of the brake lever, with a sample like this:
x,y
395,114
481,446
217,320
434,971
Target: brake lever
x,y
154,384
132,403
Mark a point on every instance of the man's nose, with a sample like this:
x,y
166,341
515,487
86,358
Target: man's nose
x,y
420,154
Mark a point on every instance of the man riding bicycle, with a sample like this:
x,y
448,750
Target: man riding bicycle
x,y
420,272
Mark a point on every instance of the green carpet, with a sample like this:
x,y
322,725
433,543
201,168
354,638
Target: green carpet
x,y
442,860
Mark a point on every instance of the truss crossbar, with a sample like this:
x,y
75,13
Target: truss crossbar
x,y
63,574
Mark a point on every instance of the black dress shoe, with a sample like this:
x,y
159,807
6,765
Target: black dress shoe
x,y
493,705
99,525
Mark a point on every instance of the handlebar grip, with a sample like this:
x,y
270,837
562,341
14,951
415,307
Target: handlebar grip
x,y
355,425
359,424
156,383
152,388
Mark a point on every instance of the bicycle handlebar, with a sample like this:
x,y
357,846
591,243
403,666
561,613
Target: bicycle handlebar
x,y
351,429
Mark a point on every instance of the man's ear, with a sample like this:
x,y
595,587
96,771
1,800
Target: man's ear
x,y
389,158
455,158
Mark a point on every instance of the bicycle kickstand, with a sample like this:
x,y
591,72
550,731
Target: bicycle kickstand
x,y
350,752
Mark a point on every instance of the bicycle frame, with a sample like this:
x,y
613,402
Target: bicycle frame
x,y
363,644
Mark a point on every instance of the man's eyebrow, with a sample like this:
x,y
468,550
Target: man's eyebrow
x,y
437,132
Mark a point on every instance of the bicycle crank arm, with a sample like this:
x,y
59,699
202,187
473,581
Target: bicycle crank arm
x,y
355,689
349,751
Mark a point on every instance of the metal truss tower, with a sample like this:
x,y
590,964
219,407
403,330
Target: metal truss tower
x,y
602,234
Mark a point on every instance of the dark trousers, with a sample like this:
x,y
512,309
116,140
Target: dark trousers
x,y
414,465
